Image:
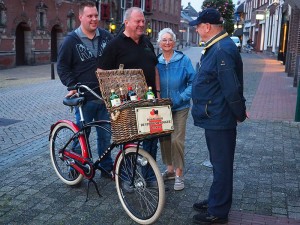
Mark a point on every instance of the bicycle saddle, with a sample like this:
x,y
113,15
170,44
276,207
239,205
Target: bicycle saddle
x,y
73,101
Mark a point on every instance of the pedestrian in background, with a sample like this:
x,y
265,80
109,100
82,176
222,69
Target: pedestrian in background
x,y
133,49
78,58
218,103
176,75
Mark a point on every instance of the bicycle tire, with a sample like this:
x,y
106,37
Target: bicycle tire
x,y
142,202
60,135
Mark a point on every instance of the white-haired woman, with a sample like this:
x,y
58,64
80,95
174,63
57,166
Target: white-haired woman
x,y
176,76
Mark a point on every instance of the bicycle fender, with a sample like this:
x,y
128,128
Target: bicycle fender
x,y
75,128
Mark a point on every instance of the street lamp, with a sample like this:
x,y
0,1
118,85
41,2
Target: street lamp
x,y
236,26
112,26
149,30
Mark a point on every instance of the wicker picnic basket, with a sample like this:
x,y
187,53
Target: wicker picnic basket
x,y
123,117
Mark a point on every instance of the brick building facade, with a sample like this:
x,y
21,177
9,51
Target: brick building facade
x,y
32,30
293,47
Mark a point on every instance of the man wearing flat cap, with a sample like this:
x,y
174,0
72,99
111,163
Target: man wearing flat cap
x,y
218,104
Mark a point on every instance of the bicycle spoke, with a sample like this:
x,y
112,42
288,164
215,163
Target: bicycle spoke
x,y
144,201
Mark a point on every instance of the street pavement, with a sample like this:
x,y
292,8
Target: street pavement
x,y
266,168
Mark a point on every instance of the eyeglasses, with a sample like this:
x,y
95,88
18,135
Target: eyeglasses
x,y
167,41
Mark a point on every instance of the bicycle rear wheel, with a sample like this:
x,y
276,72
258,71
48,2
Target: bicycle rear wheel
x,y
60,136
144,199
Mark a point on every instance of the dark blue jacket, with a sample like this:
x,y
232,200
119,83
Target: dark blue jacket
x,y
76,63
217,91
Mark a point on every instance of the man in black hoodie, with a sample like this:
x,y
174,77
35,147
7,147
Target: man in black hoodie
x,y
77,62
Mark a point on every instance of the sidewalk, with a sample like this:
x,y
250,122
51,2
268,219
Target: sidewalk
x,y
25,75
275,98
266,168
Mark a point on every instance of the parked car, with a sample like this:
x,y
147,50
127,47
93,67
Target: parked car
x,y
237,42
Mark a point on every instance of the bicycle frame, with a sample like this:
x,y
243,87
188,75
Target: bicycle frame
x,y
84,163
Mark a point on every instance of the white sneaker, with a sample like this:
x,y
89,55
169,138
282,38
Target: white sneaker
x,y
179,183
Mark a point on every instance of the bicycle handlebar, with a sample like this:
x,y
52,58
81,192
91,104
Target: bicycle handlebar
x,y
78,87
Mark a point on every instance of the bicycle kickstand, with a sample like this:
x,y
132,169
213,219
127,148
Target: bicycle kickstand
x,y
88,188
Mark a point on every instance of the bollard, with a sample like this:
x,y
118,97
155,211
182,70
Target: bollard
x,y
52,71
297,113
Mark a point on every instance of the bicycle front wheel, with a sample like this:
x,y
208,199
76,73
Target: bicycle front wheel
x,y
60,135
141,192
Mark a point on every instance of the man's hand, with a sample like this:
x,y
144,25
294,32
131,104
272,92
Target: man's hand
x,y
247,117
71,93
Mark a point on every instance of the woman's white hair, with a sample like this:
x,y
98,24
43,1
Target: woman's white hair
x,y
166,31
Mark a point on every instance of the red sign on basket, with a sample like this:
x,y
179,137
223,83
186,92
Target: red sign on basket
x,y
155,122
154,119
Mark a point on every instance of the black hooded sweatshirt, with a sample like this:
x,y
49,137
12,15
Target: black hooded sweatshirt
x,y
77,64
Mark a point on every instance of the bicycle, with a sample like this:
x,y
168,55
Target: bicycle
x,y
247,48
143,200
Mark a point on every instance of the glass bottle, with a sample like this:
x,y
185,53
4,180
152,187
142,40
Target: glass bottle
x,y
131,95
149,94
114,98
122,95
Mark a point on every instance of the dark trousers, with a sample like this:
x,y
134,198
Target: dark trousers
x,y
221,145
150,146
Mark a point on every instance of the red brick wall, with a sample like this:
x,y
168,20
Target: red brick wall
x,y
39,44
293,45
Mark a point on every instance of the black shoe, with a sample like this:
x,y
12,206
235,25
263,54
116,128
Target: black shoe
x,y
201,206
206,218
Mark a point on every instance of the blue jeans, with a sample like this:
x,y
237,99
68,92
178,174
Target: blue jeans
x,y
96,110
150,146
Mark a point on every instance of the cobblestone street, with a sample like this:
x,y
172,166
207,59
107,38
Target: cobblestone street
x,y
266,169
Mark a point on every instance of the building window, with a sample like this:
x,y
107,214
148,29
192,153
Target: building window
x,y
123,8
41,10
41,20
71,20
160,6
2,14
154,4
